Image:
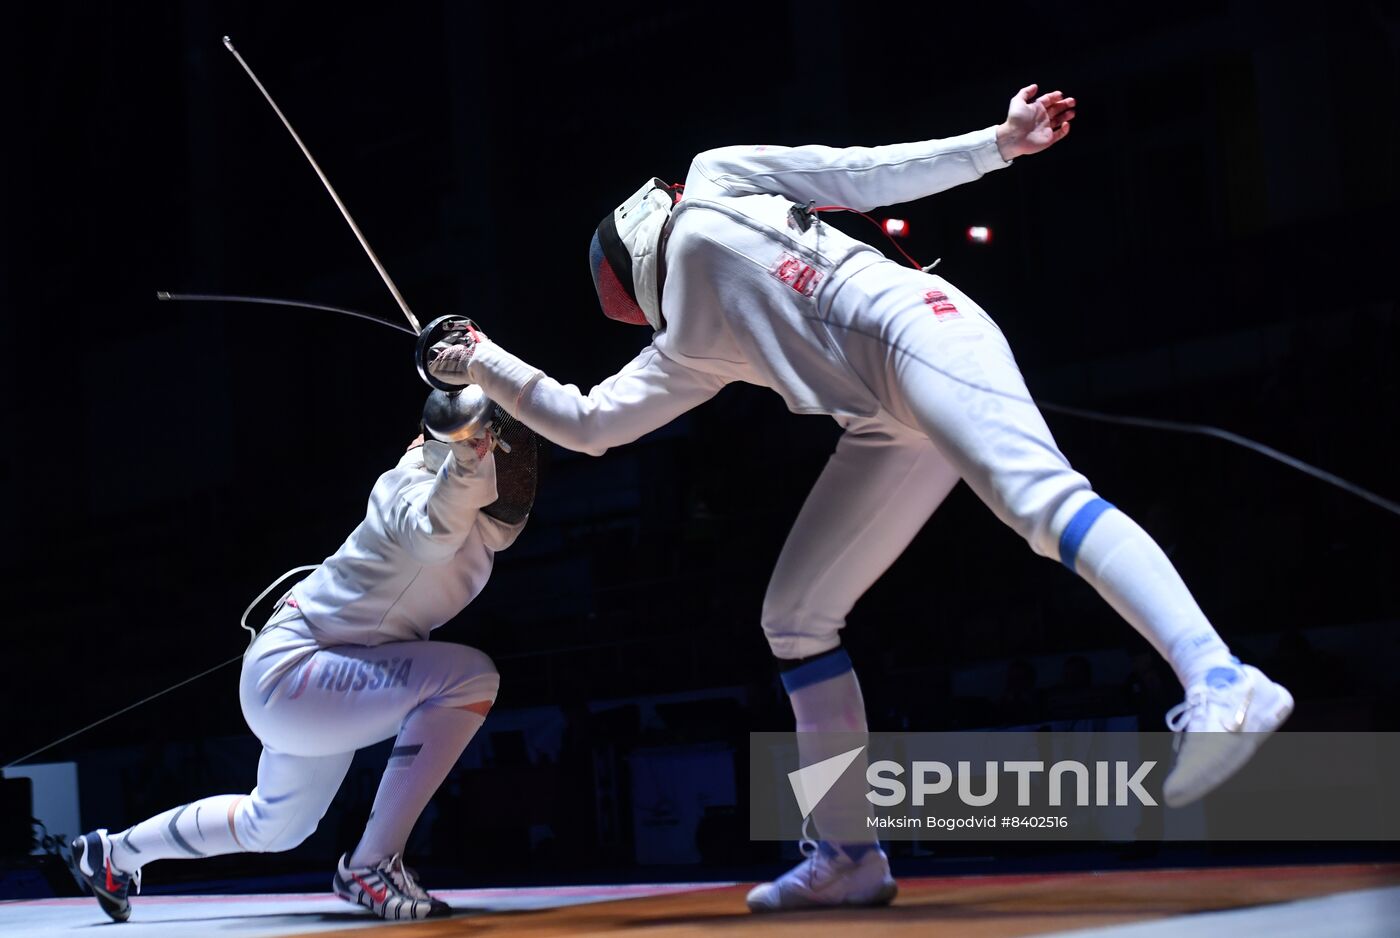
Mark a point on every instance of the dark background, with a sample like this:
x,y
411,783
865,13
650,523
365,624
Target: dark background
x,y
1215,243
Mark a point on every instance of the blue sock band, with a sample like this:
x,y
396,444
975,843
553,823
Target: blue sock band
x,y
1078,528
820,668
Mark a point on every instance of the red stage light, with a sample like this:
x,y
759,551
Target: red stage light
x,y
979,234
896,227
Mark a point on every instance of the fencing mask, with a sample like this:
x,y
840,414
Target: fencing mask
x,y
625,256
516,453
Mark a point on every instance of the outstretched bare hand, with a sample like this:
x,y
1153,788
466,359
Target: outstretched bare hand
x,y
1033,124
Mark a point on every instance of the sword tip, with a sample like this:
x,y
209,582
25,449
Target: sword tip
x,y
162,295
228,43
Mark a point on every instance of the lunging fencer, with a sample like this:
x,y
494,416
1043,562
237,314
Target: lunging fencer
x,y
344,662
741,281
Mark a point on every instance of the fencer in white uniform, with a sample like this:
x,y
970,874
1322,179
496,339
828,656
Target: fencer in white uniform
x,y
344,662
742,281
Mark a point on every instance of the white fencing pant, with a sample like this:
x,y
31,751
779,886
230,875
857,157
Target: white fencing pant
x,y
311,707
878,489
942,367
891,471
942,371
312,717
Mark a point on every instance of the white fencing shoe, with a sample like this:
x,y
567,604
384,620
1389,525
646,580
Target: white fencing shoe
x,y
828,876
1222,722
388,889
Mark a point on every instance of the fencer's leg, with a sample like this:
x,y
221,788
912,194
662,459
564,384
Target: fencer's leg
x,y
433,695
956,378
874,495
876,492
291,797
432,738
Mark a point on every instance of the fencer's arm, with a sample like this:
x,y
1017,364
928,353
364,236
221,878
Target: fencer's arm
x,y
865,177
649,392
854,177
432,518
497,534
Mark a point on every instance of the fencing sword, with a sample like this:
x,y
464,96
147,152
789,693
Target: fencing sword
x,y
442,329
167,296
335,196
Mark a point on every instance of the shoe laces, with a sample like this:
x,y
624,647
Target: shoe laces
x,y
1179,716
805,844
812,855
1202,697
405,879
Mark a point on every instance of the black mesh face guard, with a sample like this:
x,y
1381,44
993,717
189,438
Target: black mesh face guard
x,y
517,471
612,276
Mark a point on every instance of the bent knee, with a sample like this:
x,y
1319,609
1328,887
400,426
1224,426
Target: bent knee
x,y
794,631
472,684
263,829
281,841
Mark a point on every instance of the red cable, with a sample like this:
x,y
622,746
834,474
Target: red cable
x,y
845,208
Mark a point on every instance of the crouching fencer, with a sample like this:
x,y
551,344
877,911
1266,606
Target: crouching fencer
x,y
740,280
344,662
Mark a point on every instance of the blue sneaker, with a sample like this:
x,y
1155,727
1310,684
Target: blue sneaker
x,y
92,865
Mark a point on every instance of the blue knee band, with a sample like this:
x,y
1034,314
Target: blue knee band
x,y
821,668
1078,528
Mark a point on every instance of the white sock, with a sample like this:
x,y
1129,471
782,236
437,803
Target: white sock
x,y
1122,561
834,705
201,828
826,699
428,745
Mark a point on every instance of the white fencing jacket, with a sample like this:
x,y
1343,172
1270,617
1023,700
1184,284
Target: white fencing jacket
x,y
745,292
423,552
